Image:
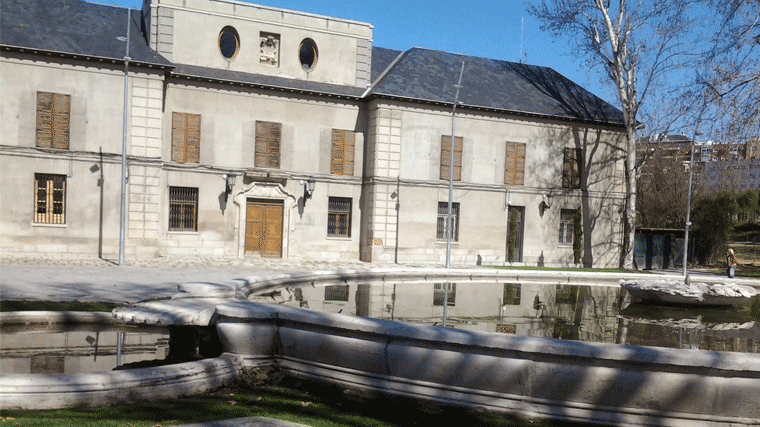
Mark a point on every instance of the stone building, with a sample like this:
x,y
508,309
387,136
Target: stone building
x,y
235,112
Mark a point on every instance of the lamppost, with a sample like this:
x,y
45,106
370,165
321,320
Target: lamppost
x,y
688,202
123,214
451,197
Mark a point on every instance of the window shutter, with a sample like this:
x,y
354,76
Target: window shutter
x,y
446,156
193,139
342,152
44,119
186,138
178,137
53,120
61,121
348,153
571,168
520,165
268,136
514,164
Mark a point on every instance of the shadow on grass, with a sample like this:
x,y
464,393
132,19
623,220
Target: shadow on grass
x,y
38,305
289,399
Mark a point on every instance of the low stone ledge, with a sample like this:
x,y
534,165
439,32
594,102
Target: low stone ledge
x,y
117,387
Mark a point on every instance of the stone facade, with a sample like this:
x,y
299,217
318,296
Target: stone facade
x,y
256,82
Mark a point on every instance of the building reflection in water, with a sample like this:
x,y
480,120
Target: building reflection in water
x,y
602,314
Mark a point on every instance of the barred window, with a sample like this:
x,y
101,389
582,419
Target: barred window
x,y
339,217
50,199
186,137
511,294
446,156
183,209
514,164
443,209
566,226
439,292
342,152
572,166
53,120
336,293
268,136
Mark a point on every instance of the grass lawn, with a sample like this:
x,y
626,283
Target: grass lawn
x,y
290,400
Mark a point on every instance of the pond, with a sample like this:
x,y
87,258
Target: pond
x,y
602,314
79,348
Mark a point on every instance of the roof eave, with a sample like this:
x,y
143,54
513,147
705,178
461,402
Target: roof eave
x,y
86,57
241,83
494,110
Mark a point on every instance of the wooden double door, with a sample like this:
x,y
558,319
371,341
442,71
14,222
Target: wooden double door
x,y
263,227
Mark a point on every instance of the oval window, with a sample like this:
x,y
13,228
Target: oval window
x,y
229,42
308,53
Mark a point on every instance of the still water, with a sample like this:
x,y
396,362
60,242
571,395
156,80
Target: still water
x,y
603,314
69,349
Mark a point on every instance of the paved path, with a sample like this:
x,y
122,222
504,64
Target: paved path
x,y
103,281
90,280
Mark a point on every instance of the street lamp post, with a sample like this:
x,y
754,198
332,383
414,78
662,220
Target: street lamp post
x,y
122,216
451,197
688,203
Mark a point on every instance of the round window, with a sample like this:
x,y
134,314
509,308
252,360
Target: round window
x,y
229,42
308,53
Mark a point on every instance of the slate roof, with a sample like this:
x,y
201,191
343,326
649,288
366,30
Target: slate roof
x,y
74,28
382,58
430,75
260,80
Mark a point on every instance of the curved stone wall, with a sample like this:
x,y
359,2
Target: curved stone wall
x,y
527,376
38,391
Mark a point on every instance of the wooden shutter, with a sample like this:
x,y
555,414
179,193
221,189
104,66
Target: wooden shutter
x,y
342,152
178,137
514,164
193,139
446,156
53,120
571,167
268,137
186,137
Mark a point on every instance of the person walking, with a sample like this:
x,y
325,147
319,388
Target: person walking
x,y
731,262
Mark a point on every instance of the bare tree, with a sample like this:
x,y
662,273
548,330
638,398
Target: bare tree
x,y
636,43
729,79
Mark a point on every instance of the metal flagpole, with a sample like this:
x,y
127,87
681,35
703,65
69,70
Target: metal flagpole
x,y
451,196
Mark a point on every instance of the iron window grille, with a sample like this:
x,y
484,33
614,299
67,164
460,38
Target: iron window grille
x,y
439,292
336,293
50,199
183,209
339,217
443,209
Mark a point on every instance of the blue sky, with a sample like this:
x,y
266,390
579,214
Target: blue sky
x,y
485,28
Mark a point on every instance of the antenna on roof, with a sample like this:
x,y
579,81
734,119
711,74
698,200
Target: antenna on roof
x,y
522,28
